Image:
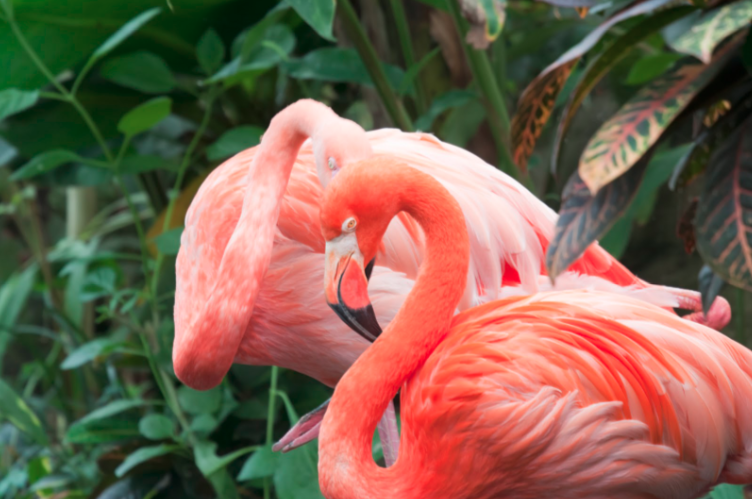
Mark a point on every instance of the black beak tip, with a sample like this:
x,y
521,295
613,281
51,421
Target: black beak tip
x,y
362,320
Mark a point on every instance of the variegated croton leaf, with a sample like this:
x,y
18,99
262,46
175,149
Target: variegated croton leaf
x,y
606,60
724,215
584,217
713,28
638,125
538,99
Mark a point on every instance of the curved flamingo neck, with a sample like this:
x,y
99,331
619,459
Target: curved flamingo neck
x,y
346,466
204,352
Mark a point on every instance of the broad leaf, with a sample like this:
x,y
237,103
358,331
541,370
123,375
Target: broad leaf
x,y
156,427
89,351
627,136
207,460
710,285
168,243
45,162
210,51
145,116
142,71
726,491
103,431
234,141
204,424
196,402
261,464
142,455
603,63
15,410
724,214
319,14
538,99
13,101
650,67
442,103
123,33
583,218
339,65
713,28
111,409
296,476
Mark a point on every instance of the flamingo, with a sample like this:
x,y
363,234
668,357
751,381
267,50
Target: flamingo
x,y
252,254
571,394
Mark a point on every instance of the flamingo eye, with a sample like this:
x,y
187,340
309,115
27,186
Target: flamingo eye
x,y
349,225
333,164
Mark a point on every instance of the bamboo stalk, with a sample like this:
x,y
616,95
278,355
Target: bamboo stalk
x,y
373,65
403,31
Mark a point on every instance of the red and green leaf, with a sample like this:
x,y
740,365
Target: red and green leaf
x,y
538,99
584,218
607,59
712,28
724,214
626,137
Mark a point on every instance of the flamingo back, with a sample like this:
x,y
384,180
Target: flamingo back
x,y
567,393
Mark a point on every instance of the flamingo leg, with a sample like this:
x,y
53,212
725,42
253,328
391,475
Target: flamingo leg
x,y
389,435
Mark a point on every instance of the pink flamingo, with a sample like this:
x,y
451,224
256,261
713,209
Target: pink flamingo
x,y
575,394
252,253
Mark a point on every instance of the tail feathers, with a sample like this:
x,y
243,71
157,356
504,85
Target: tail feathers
x,y
718,316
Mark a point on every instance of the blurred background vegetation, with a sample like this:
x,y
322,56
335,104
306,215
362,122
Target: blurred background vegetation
x,y
112,113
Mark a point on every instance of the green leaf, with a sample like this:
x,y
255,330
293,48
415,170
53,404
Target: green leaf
x,y
724,214
650,67
13,101
168,243
14,293
338,65
252,409
583,218
204,424
710,285
102,431
207,460
713,28
7,6
234,141
196,402
142,71
210,51
127,30
261,464
156,427
89,351
15,410
604,62
115,407
319,14
223,484
538,100
442,103
145,116
45,162
296,476
495,16
627,136
250,39
277,44
726,491
142,455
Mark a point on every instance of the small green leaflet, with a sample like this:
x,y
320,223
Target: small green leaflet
x,y
142,455
145,116
124,32
210,51
142,71
318,14
13,101
15,410
45,162
168,243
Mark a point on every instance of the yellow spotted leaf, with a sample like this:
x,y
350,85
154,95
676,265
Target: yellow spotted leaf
x,y
627,136
712,28
538,99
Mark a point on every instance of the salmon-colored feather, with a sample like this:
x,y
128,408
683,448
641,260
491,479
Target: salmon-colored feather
x,y
573,394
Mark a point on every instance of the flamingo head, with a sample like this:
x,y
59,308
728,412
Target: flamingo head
x,y
353,223
336,144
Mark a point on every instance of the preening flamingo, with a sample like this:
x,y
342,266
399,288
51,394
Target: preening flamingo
x,y
574,394
251,256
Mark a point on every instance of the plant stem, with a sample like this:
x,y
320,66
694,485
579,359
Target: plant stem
x,y
270,420
373,65
64,93
741,334
403,31
484,76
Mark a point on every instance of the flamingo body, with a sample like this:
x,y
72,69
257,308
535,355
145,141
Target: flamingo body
x,y
572,394
291,325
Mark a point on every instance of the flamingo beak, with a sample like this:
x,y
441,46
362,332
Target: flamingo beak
x,y
346,288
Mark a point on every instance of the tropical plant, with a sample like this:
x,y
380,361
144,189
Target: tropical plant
x,y
686,125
